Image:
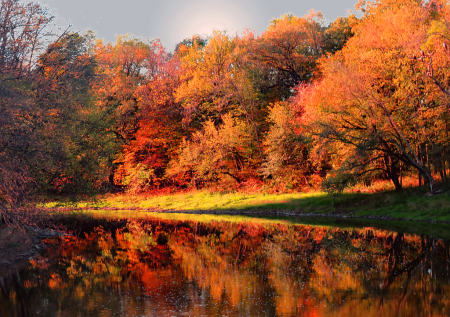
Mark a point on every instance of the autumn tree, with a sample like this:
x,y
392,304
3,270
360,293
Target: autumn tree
x,y
79,150
122,69
372,108
286,53
160,131
287,153
206,76
217,83
434,65
22,37
215,152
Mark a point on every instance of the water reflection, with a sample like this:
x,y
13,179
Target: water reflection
x,y
182,268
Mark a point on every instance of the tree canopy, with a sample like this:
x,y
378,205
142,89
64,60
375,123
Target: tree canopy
x,y
304,104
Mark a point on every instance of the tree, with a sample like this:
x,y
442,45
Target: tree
x,y
215,85
338,33
214,152
435,101
287,154
145,158
79,151
197,40
287,52
122,69
22,36
206,75
372,97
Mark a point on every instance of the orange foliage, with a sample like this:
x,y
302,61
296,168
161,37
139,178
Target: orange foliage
x,y
304,270
368,108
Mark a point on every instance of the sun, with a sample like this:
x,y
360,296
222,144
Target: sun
x,y
203,17
206,24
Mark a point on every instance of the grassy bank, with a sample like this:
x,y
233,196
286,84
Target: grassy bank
x,y
410,204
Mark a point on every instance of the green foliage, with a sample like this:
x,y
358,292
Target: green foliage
x,y
189,42
338,33
79,150
336,182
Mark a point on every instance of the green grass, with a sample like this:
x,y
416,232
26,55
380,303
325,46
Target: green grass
x,y
411,204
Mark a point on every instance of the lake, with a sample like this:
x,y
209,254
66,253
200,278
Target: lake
x,y
167,267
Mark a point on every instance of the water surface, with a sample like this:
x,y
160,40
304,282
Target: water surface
x,y
157,267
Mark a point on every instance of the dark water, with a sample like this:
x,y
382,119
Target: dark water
x,y
181,268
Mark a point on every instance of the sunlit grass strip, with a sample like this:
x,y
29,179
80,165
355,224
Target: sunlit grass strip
x,y
202,200
409,204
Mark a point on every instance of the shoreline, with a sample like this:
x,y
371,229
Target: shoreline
x,y
237,212
412,204
23,245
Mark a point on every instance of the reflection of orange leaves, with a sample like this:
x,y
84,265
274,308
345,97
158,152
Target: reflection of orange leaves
x,y
156,280
99,268
132,256
30,284
298,268
55,281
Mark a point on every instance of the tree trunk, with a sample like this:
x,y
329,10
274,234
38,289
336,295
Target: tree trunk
x,y
397,184
392,172
401,175
414,160
431,181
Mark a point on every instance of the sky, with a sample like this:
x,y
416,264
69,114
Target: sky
x,y
174,20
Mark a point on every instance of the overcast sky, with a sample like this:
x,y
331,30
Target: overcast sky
x,y
174,20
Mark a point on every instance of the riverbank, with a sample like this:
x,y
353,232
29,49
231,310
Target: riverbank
x,y
410,204
411,211
20,244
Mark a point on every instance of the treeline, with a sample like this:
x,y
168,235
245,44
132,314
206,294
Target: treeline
x,y
355,100
215,111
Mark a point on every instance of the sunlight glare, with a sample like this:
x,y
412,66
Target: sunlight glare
x,y
203,18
